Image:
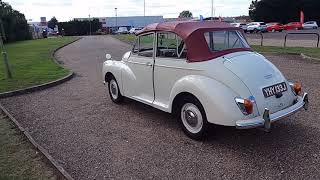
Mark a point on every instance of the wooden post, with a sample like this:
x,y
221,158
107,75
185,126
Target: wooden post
x,y
4,53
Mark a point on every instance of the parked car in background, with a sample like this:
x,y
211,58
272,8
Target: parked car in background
x,y
204,73
255,27
310,25
122,30
134,30
293,26
240,25
273,27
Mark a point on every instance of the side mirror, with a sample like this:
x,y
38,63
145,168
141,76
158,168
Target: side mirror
x,y
108,56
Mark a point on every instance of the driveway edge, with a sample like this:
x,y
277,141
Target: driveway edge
x,y
45,85
44,152
309,57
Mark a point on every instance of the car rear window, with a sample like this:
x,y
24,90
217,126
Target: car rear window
x,y
222,40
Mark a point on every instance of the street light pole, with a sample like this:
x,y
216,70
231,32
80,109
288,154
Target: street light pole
x,y
144,12
116,18
212,9
90,24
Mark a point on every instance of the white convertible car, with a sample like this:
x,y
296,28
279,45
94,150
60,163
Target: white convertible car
x,y
204,72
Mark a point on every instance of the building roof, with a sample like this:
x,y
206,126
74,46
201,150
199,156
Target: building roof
x,y
192,33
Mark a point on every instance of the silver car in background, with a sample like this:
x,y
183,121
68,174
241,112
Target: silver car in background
x,y
255,27
310,25
240,25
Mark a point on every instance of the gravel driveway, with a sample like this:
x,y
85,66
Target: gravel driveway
x,y
93,138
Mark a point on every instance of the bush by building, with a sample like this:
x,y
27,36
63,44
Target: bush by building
x,y
79,28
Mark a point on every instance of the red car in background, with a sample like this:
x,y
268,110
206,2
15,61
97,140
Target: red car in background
x,y
273,27
293,26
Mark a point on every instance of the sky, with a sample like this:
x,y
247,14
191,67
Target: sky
x,y
65,10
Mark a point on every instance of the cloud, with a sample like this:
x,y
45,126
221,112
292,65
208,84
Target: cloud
x,y
69,9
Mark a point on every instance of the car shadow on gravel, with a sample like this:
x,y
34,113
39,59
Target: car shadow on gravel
x,y
288,143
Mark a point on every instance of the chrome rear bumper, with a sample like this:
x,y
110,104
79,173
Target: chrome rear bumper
x,y
267,119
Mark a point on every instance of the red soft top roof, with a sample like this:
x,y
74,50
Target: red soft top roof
x,y
185,28
192,33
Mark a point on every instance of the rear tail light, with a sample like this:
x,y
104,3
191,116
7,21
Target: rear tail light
x,y
245,105
296,88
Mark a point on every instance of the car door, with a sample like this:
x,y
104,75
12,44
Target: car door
x,y
138,79
170,66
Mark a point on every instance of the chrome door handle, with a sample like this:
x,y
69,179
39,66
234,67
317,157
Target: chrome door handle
x,y
149,64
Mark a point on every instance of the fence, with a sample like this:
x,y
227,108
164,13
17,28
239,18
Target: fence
x,y
281,40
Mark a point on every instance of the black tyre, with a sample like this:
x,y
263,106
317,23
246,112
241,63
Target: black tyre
x,y
114,91
193,118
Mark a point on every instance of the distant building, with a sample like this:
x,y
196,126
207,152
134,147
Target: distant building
x,y
112,23
178,19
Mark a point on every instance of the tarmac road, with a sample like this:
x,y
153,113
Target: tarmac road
x,y
94,138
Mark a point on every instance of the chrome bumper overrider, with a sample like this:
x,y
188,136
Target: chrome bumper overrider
x,y
266,119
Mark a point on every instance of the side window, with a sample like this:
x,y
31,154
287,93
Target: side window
x,y
222,40
234,40
145,45
135,48
170,45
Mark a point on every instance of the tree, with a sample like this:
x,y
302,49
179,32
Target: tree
x,y
185,14
52,23
284,11
15,24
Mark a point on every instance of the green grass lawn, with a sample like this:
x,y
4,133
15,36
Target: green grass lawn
x,y
313,52
18,158
31,63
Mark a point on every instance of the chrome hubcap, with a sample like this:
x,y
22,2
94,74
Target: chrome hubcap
x,y
113,89
191,118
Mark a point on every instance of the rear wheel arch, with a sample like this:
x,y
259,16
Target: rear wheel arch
x,y
178,99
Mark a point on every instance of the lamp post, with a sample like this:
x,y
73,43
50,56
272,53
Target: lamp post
x,y
116,18
89,25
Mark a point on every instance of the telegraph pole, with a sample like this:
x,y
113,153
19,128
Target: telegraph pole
x,y
116,18
90,24
4,53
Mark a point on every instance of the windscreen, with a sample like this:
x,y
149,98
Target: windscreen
x,y
222,40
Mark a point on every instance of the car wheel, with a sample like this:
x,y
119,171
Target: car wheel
x,y
114,91
193,118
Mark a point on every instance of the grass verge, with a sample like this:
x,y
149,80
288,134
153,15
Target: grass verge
x,y
31,63
18,158
128,38
312,52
